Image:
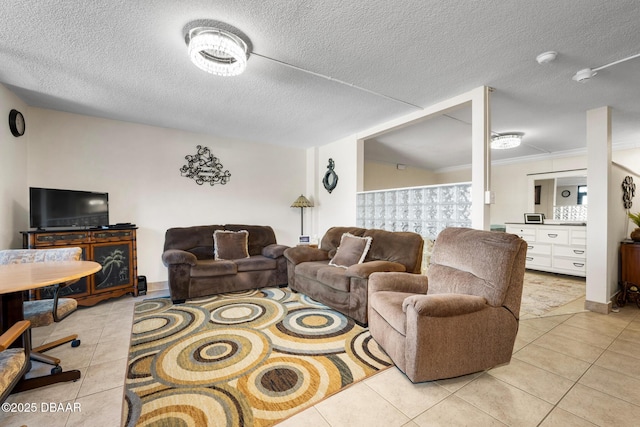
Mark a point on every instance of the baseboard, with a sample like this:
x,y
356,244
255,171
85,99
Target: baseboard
x,y
157,286
598,307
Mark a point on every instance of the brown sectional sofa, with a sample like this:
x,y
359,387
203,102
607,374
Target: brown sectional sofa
x,y
193,271
345,289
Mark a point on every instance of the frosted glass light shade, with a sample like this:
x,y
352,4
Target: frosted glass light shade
x,y
503,142
217,51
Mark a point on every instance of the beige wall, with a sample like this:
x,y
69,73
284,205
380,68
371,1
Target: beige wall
x,y
14,196
382,176
508,181
139,166
337,208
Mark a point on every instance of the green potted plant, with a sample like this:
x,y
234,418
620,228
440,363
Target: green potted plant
x,y
635,218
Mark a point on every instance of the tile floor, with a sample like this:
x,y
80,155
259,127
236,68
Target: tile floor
x,y
569,369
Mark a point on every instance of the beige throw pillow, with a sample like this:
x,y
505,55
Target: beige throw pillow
x,y
352,250
230,244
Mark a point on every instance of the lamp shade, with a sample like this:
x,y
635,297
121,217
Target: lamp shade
x,y
302,202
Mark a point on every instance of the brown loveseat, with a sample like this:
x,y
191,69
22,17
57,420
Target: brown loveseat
x,y
249,262
345,288
462,317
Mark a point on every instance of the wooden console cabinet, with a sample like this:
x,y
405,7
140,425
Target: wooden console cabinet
x,y
629,269
114,249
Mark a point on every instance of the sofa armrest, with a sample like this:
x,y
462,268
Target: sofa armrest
x,y
398,282
367,268
274,250
176,256
444,305
299,254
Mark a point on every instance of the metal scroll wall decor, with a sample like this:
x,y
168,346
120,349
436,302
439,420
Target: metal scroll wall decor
x,y
330,179
204,167
628,191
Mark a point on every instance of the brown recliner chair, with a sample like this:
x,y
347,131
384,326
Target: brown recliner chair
x,y
462,317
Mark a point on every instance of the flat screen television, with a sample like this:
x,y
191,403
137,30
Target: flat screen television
x,y
53,208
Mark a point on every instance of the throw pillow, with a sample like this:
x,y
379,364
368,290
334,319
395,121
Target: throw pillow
x,y
230,244
352,250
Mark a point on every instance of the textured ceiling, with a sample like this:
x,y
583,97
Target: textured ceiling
x,y
127,60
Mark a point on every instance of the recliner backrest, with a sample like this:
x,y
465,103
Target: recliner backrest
x,y
489,264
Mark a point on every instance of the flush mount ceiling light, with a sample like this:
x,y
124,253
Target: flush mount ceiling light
x,y
217,51
585,74
546,57
506,141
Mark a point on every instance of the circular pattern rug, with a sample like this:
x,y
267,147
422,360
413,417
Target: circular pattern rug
x,y
249,358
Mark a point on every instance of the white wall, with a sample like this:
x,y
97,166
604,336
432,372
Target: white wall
x,y
139,167
337,208
14,197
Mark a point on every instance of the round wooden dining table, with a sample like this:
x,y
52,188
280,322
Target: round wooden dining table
x,y
17,278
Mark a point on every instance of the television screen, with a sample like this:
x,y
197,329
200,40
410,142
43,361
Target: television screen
x,y
50,208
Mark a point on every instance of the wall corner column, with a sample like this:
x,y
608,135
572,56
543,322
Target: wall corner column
x,y
601,268
480,158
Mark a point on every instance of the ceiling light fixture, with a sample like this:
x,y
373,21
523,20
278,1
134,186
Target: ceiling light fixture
x,y
217,51
506,141
546,57
584,75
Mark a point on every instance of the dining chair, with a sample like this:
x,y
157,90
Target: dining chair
x,y
46,311
14,361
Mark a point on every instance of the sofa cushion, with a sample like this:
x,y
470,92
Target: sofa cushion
x,y
255,263
331,239
197,239
334,277
397,246
388,304
310,269
260,236
210,268
230,244
352,250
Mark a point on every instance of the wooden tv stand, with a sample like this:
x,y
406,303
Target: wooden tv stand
x,y
114,248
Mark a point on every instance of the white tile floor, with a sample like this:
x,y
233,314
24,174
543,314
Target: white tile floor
x,y
580,369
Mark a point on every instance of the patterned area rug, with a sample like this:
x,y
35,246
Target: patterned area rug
x,y
542,292
241,359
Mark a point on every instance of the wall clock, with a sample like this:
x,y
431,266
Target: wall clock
x,y
566,193
16,123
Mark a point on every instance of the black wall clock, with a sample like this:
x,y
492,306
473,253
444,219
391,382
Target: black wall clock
x,y
16,123
566,193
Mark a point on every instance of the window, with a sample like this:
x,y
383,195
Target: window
x,y
582,194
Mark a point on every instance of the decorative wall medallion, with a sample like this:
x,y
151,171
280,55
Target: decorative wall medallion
x,y
204,167
330,179
628,191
